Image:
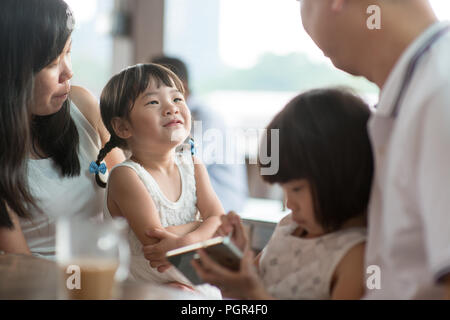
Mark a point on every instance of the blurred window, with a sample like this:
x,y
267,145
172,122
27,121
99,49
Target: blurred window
x,y
92,43
249,57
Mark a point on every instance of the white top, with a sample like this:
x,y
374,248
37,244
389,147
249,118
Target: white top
x,y
57,195
183,211
298,268
409,218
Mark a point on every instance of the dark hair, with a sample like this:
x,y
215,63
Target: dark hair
x,y
33,33
120,94
324,139
174,64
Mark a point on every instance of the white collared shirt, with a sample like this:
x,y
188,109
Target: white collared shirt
x,y
409,211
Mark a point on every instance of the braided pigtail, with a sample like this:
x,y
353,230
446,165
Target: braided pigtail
x,y
99,167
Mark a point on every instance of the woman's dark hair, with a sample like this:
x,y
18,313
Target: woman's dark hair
x,y
323,138
119,95
33,33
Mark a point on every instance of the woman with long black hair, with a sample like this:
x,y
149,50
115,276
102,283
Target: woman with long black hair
x,y
49,130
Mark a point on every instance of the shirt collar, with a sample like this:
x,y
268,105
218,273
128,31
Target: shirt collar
x,y
393,82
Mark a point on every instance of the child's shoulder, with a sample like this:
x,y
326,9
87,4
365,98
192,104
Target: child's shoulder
x,y
126,164
187,161
124,171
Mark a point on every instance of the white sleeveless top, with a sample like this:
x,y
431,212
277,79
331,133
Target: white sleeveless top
x,y
183,211
298,268
57,195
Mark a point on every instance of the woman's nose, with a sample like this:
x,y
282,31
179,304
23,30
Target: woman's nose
x,y
66,73
67,76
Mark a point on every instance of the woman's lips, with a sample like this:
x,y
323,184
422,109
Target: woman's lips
x,y
62,97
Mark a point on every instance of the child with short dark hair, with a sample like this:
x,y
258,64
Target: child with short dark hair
x,y
159,190
325,169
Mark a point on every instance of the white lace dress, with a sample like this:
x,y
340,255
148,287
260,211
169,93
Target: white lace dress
x,y
297,268
183,211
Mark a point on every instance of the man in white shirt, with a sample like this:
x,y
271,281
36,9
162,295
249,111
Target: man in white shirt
x,y
408,57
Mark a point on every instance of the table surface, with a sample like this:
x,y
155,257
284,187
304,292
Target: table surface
x,y
25,277
264,210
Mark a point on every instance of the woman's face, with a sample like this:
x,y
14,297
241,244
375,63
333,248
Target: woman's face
x,y
51,84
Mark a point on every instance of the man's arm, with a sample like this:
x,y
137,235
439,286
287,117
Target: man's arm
x,y
433,177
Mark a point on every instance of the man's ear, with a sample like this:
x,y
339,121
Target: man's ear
x,y
121,127
337,5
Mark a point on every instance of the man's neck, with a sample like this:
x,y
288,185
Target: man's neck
x,y
389,46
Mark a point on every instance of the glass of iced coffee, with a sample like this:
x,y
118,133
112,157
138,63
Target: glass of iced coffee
x,y
93,257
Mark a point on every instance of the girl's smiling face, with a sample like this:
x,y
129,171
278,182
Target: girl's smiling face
x,y
159,118
300,201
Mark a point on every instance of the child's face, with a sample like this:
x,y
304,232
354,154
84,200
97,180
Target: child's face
x,y
300,201
159,118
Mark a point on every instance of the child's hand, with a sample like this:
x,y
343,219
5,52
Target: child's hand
x,y
156,253
181,286
232,223
243,284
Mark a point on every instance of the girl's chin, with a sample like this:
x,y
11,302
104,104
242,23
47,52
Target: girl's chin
x,y
179,135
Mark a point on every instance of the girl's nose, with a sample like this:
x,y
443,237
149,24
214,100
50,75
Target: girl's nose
x,y
289,203
170,109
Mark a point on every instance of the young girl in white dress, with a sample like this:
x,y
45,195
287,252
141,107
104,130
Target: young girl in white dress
x,y
164,194
325,169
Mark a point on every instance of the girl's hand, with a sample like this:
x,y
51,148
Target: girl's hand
x,y
156,253
243,284
181,286
232,223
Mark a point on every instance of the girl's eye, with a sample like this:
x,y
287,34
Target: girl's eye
x,y
177,99
152,102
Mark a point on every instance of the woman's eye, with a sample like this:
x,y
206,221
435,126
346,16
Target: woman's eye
x,y
53,64
297,189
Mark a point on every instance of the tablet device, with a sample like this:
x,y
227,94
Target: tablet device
x,y
220,249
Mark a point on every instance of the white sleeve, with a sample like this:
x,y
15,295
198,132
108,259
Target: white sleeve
x,y
434,180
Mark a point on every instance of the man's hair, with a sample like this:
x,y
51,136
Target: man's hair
x,y
176,65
